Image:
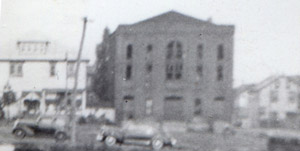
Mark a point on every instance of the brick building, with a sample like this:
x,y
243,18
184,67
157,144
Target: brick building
x,y
169,67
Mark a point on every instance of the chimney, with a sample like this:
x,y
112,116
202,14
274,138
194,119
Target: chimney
x,y
209,20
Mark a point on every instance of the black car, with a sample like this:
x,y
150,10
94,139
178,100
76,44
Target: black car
x,y
135,134
53,127
284,141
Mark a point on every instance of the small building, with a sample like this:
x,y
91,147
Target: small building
x,y
40,80
169,67
275,102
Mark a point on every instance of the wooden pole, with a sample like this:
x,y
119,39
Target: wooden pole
x,y
73,109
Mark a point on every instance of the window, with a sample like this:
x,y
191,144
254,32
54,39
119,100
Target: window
x,y
274,115
128,98
178,70
169,72
78,103
149,105
261,111
292,96
129,51
174,72
179,51
197,107
200,51
220,52
273,96
16,69
174,63
277,84
52,68
71,69
170,51
149,48
200,70
149,67
288,84
128,72
219,98
220,73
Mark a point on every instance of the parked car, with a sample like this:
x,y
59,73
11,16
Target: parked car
x,y
137,134
284,140
55,127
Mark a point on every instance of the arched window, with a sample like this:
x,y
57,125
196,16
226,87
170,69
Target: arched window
x,y
170,50
174,63
179,50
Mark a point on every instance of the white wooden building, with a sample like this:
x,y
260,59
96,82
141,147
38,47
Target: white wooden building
x,y
41,79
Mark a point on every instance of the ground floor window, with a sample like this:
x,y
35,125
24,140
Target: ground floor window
x,y
32,105
149,106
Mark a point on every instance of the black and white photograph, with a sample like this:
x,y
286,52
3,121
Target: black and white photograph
x,y
150,75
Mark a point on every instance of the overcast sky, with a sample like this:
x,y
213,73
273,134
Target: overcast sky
x,y
267,37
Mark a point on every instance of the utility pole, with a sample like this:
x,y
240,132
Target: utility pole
x,y
73,96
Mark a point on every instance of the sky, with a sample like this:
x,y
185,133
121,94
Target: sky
x,y
266,40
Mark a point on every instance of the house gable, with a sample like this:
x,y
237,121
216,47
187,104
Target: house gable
x,y
172,17
173,20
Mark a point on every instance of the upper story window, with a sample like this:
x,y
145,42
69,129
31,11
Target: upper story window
x,y
200,70
149,48
174,62
170,51
200,51
32,47
273,96
178,71
129,51
52,68
174,47
149,67
128,73
174,71
292,96
16,69
169,72
71,69
220,75
288,84
179,50
220,52
277,84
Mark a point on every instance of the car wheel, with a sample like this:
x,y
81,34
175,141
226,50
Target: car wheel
x,y
19,133
110,140
157,144
61,136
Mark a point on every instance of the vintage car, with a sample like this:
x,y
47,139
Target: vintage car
x,y
283,140
42,126
136,134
